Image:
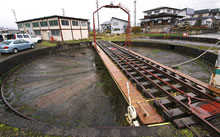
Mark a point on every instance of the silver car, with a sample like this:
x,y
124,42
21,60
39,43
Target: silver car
x,y
14,46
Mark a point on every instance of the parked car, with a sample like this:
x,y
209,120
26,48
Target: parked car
x,y
14,46
1,38
27,37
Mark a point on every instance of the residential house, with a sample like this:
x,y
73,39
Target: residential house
x,y
206,17
106,27
160,19
60,28
118,26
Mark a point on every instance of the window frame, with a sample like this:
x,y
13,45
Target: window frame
x,y
34,24
53,22
27,25
44,24
37,33
77,23
65,22
55,32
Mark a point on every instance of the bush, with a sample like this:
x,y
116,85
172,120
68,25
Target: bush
x,y
136,30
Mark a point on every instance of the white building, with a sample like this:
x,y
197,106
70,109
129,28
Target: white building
x,y
59,28
118,26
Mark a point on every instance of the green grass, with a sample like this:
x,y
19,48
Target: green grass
x,y
121,37
9,131
77,41
47,44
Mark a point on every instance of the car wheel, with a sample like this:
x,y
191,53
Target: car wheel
x,y
32,46
15,51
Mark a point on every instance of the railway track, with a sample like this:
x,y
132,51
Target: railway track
x,y
5,100
177,98
5,97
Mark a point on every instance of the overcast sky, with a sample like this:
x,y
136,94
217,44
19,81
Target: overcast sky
x,y
29,9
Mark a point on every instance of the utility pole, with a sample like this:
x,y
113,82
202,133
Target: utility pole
x,y
14,15
63,11
135,12
97,4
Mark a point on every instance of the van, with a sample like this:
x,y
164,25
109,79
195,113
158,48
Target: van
x,y
26,37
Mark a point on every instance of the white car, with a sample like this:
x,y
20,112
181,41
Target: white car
x,y
27,37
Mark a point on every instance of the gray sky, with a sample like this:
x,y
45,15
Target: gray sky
x,y
29,9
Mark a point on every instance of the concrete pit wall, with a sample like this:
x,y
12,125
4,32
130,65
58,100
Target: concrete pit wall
x,y
209,57
15,60
193,39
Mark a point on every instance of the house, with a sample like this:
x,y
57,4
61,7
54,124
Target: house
x,y
206,17
186,13
118,26
160,19
60,28
106,27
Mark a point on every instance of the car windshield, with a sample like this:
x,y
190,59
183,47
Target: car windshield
x,y
19,36
26,36
5,43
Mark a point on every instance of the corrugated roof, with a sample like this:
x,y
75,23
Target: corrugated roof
x,y
54,16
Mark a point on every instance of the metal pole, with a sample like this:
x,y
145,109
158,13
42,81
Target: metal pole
x,y
97,4
63,11
14,15
135,12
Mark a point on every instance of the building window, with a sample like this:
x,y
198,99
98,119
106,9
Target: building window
x,y
55,32
75,23
53,23
20,25
115,23
43,24
37,32
27,25
65,22
35,24
116,29
83,23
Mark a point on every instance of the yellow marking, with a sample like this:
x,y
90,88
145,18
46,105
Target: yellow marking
x,y
160,124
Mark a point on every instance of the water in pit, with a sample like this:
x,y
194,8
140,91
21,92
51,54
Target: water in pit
x,y
71,89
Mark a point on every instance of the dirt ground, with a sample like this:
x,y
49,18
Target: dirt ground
x,y
197,69
70,89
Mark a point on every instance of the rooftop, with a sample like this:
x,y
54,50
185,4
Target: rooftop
x,y
161,8
119,19
54,16
202,11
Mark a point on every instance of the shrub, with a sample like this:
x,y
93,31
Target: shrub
x,y
136,30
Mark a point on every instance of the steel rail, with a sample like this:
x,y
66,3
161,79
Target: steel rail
x,y
123,58
8,104
193,89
